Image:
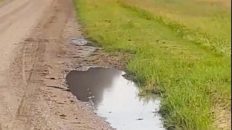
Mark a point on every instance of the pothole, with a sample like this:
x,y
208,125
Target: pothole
x,y
115,99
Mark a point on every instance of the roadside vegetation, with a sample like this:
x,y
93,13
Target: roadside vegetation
x,y
180,49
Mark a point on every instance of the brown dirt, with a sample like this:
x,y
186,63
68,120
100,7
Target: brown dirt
x,y
36,55
222,117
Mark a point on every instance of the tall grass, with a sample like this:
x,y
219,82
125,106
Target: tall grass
x,y
187,63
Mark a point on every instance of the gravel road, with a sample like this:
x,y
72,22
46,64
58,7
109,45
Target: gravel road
x,y
36,55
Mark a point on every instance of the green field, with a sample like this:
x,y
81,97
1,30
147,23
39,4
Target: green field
x,y
180,49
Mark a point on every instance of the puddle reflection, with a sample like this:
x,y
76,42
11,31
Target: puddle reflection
x,y
115,98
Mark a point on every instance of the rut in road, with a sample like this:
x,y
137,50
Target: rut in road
x,y
32,111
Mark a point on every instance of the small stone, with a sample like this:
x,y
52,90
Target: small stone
x,y
140,119
62,115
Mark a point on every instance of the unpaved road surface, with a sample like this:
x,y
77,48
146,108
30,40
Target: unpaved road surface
x,y
36,55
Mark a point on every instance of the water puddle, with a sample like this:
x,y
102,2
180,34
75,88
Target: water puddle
x,y
79,41
115,99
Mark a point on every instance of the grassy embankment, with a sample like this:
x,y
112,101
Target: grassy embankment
x,y
181,49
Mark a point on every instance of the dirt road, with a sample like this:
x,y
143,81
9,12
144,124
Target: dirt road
x,y
36,54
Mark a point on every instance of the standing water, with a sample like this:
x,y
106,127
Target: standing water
x,y
115,99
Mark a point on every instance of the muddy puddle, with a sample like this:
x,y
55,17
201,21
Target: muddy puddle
x,y
115,99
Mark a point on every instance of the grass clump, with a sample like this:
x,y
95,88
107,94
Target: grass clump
x,y
189,64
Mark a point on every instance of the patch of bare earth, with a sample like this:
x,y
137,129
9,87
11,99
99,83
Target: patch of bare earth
x,y
222,118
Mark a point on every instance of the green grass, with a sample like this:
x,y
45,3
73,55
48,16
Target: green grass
x,y
181,49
